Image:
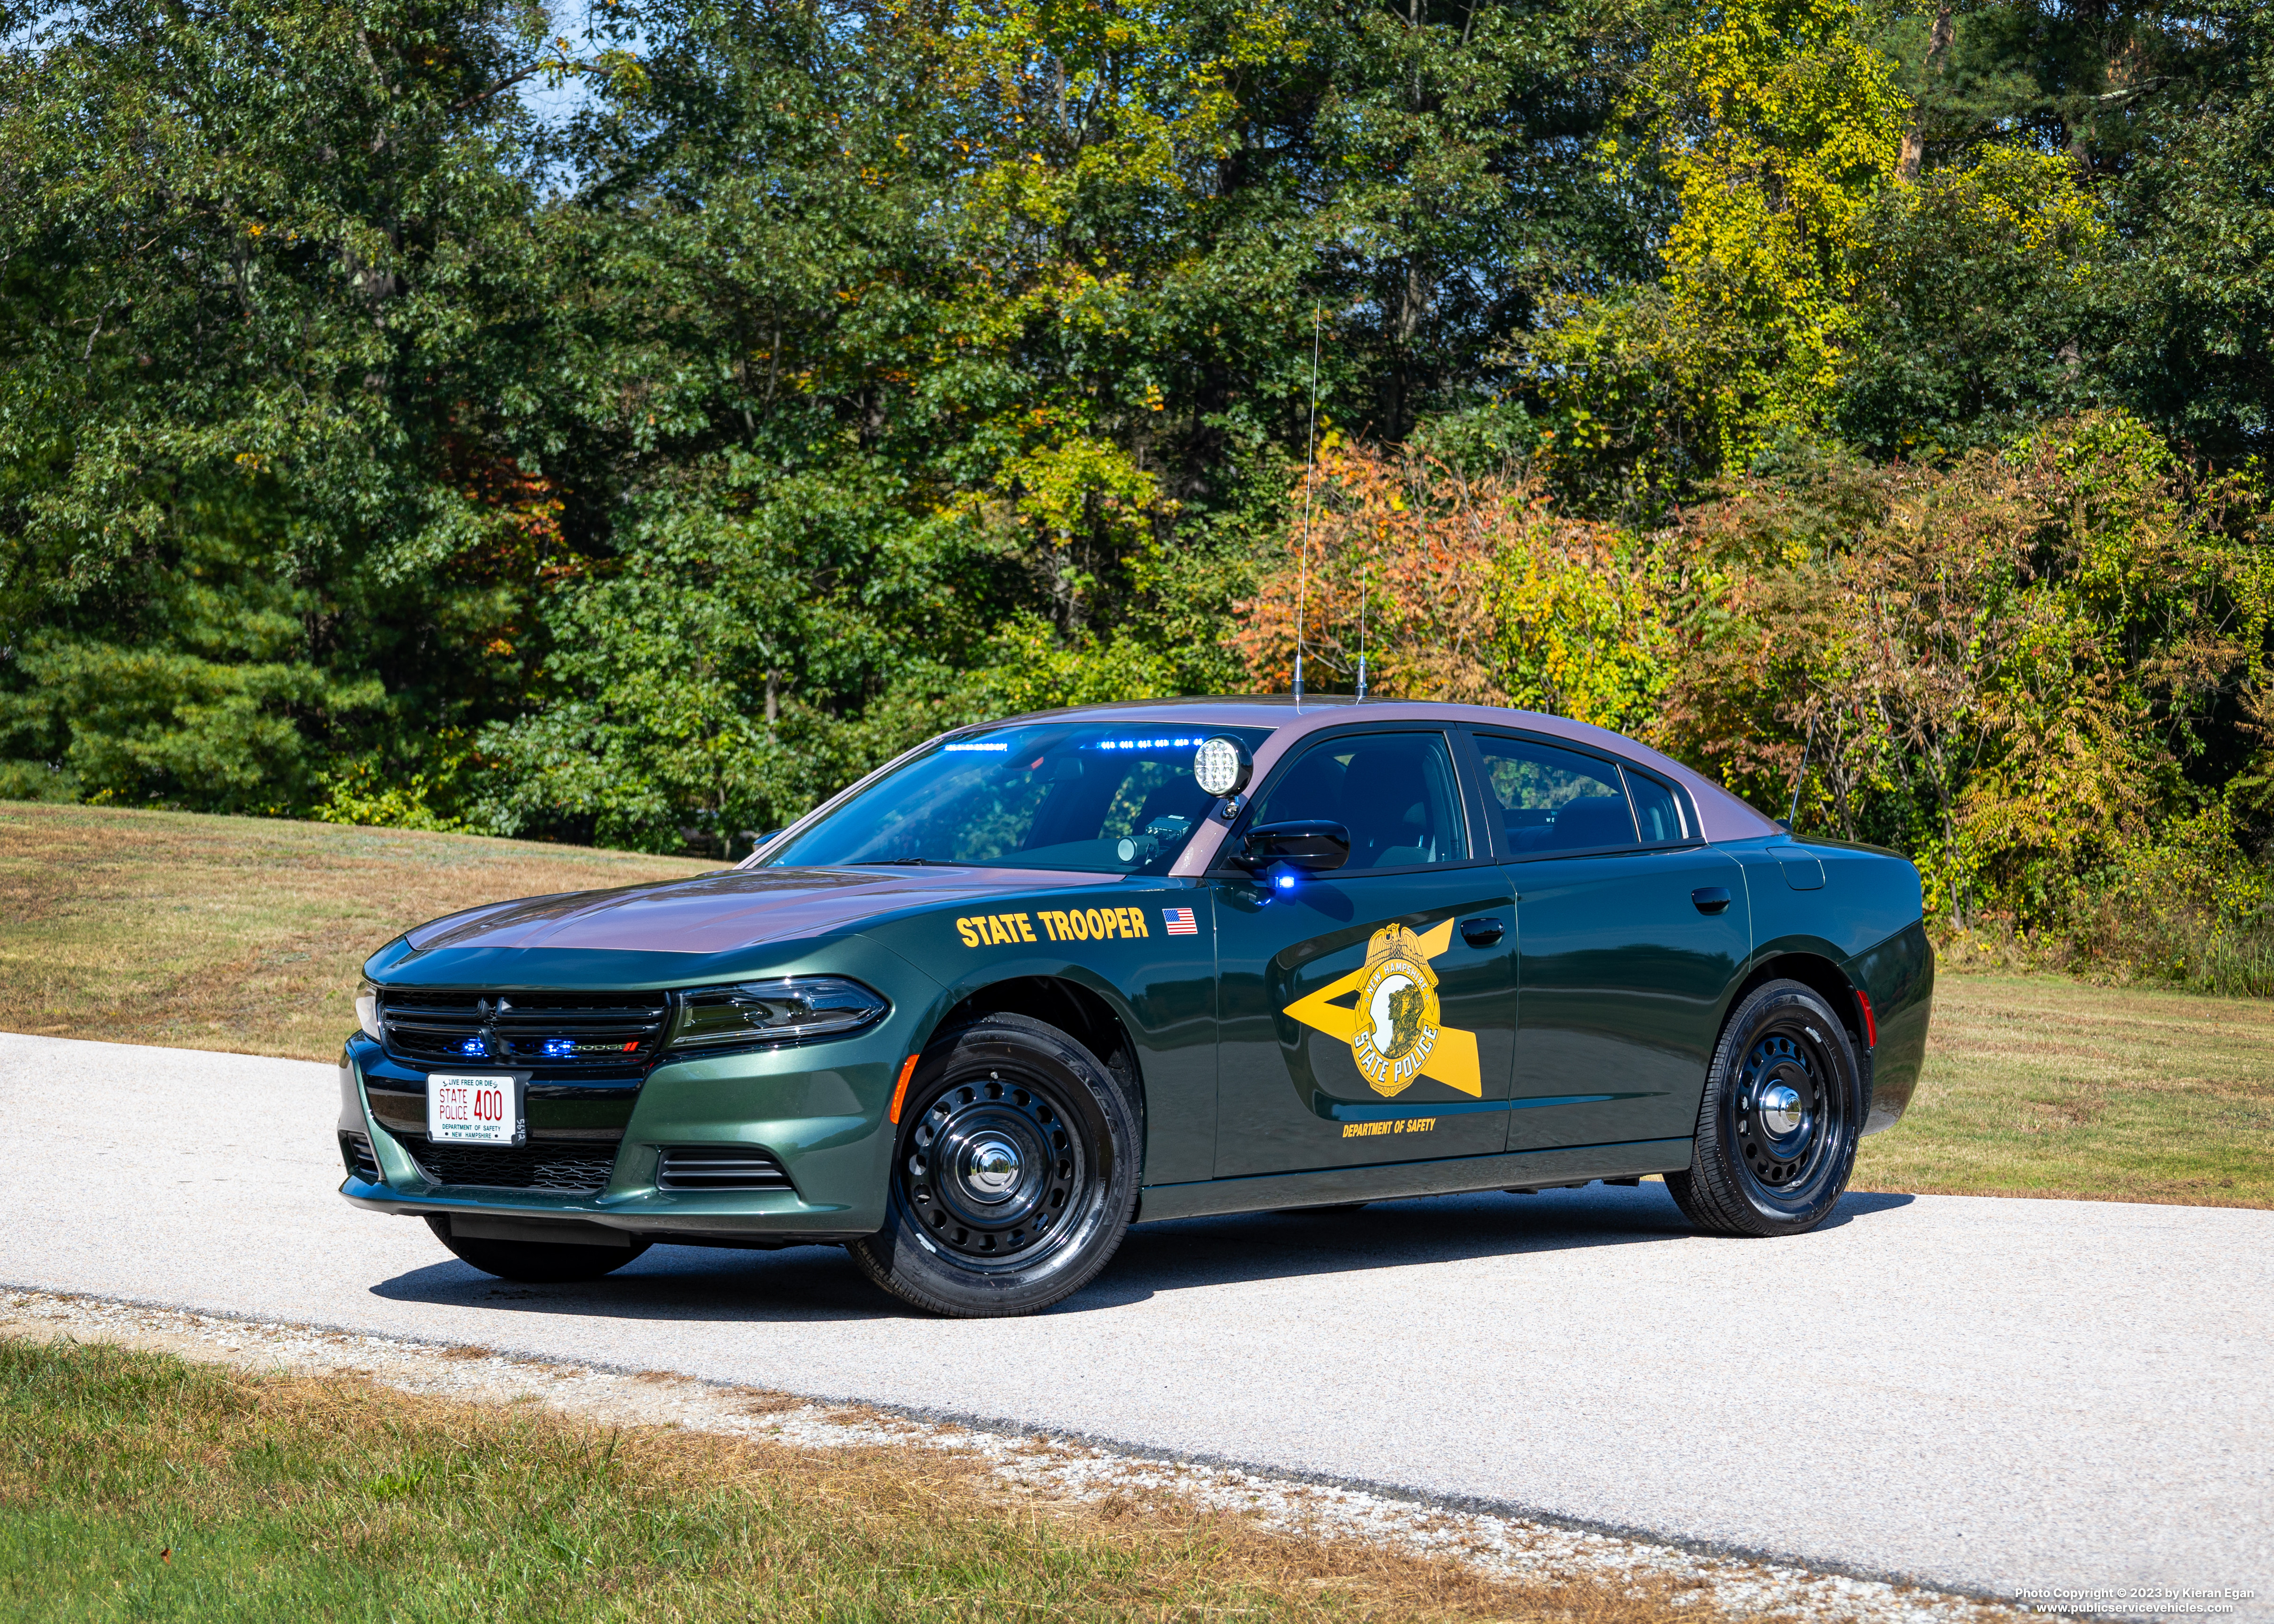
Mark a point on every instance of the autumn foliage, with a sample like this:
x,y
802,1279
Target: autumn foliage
x,y
2005,667
1392,560
1468,589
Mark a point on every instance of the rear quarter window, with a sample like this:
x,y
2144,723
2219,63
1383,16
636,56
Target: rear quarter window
x,y
1660,817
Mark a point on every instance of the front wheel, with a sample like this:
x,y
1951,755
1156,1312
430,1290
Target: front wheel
x,y
1014,1178
1777,1128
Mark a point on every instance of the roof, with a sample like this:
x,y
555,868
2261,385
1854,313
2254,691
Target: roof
x,y
1720,816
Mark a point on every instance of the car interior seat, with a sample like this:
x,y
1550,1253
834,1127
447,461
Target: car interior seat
x,y
1385,806
1597,820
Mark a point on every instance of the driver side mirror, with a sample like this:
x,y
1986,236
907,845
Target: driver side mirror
x,y
1311,845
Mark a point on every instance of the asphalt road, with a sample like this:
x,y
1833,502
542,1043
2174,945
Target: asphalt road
x,y
1975,1394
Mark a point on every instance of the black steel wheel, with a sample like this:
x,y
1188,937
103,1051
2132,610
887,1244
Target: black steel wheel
x,y
536,1263
1778,1125
1014,1176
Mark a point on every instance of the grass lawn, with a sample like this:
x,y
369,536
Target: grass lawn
x,y
246,934
237,933
2046,1087
136,1485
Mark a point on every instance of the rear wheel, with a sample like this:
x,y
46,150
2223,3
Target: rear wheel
x,y
1015,1175
536,1263
1777,1128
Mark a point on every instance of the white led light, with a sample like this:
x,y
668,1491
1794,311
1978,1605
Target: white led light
x,y
1221,766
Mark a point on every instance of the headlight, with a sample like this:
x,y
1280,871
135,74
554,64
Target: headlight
x,y
367,1010
788,1010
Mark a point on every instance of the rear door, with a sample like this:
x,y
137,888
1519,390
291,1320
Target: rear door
x,y
1630,932
1366,1015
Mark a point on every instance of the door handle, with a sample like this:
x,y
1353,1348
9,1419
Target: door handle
x,y
1482,932
1710,898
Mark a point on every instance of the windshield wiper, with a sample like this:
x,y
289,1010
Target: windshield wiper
x,y
902,862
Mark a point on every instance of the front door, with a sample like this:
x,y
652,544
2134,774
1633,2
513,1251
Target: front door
x,y
1368,1015
1632,931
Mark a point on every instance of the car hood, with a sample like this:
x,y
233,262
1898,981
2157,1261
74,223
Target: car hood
x,y
725,910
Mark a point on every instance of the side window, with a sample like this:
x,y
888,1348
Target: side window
x,y
1394,791
1554,800
1657,809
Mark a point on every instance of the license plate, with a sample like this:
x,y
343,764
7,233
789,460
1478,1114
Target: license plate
x,y
474,1110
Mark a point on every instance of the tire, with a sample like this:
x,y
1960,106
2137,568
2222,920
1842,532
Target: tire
x,y
1014,1176
536,1263
1758,1169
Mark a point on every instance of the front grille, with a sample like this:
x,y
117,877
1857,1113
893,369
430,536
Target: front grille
x,y
354,1150
541,1031
721,1167
540,1166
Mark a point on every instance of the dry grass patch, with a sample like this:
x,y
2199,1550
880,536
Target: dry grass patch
x,y
136,1485
2041,1086
237,933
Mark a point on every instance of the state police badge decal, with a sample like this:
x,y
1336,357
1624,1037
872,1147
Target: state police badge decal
x,y
1397,1010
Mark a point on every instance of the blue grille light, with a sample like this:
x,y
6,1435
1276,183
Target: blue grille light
x,y
559,1049
474,1047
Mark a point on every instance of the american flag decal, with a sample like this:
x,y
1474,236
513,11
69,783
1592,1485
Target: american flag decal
x,y
1180,921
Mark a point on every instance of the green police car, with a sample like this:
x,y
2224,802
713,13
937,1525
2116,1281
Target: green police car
x,y
1036,981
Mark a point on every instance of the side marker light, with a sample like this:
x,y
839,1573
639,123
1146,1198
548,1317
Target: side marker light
x,y
907,1069
1871,1021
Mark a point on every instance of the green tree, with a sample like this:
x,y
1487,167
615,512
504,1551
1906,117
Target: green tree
x,y
2189,305
955,356
269,428
1776,125
1975,314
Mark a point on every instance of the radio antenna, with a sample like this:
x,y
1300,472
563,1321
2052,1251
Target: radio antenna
x,y
1310,455
1801,777
1361,631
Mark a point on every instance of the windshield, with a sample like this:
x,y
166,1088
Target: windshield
x,y
1078,795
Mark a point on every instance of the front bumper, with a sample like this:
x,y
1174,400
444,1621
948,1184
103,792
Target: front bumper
x,y
819,1109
